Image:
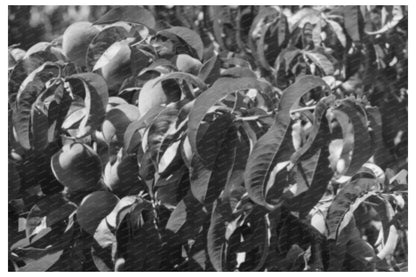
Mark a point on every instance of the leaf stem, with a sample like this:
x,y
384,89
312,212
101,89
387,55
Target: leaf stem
x,y
272,113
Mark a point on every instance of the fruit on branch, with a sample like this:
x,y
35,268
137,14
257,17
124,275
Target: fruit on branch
x,y
122,175
76,39
118,68
155,92
116,121
186,63
77,167
93,208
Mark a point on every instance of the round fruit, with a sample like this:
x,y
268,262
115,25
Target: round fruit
x,y
116,121
186,63
18,54
93,208
76,39
151,95
117,69
122,175
77,167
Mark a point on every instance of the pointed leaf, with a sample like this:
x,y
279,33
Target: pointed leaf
x,y
353,22
27,95
187,218
132,138
216,240
347,200
349,112
210,70
26,66
187,35
268,149
219,90
207,184
103,41
130,14
321,61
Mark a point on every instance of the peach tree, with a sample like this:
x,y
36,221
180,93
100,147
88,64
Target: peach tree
x,y
226,138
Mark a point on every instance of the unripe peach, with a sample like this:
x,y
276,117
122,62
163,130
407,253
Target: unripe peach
x,y
123,175
93,208
117,69
76,40
77,167
116,121
186,63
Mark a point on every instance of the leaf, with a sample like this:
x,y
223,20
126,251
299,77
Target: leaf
x,y
321,61
269,149
103,41
170,160
187,218
210,70
130,14
257,25
346,201
320,176
207,184
286,57
75,114
96,99
219,90
26,66
353,22
338,31
112,52
132,138
216,240
171,189
95,81
138,239
313,171
303,16
39,129
382,157
219,14
262,46
114,218
162,128
187,35
185,77
349,112
392,23
238,72
102,257
212,139
256,240
27,95
316,139
48,114
43,263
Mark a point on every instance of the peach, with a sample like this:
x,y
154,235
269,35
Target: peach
x,y
94,208
116,121
76,40
186,63
77,167
117,68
